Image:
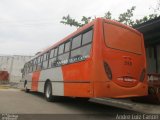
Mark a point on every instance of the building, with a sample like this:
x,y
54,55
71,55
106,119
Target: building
x,y
151,32
13,64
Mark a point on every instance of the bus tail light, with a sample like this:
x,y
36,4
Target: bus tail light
x,y
108,70
142,75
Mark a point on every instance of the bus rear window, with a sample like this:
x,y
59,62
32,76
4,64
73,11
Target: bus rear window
x,y
121,38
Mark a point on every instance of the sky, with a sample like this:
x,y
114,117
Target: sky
x,y
30,26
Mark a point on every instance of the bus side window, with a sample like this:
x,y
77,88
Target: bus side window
x,y
35,64
51,58
84,50
52,62
63,58
67,47
63,54
76,42
45,60
87,37
52,53
81,52
61,49
39,63
55,53
39,59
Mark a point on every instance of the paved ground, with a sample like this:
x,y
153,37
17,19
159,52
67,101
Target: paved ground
x,y
16,101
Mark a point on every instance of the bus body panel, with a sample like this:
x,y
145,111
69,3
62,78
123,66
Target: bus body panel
x,y
56,77
35,78
77,82
112,90
115,59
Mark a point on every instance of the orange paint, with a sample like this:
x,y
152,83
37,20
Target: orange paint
x,y
35,78
77,89
77,81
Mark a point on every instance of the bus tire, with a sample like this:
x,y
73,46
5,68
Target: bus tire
x,y
48,91
25,87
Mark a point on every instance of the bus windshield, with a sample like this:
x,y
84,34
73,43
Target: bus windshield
x,y
122,38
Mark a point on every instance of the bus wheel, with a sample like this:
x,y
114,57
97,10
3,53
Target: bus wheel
x,y
25,87
48,92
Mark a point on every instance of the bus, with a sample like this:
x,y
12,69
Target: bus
x,y
104,59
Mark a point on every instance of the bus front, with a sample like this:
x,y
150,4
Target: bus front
x,y
123,62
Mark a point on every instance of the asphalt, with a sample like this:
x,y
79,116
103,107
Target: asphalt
x,y
17,102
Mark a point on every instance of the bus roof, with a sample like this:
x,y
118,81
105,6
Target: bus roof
x,y
123,25
80,30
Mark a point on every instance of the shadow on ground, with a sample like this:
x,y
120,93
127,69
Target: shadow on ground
x,y
88,106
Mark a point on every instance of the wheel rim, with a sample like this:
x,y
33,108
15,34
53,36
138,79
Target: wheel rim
x,y
48,91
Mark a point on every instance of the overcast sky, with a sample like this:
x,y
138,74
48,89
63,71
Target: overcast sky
x,y
29,26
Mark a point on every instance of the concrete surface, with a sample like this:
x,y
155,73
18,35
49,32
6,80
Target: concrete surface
x,y
33,106
146,108
19,102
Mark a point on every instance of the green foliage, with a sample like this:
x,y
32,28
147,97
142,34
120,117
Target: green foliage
x,y
85,20
67,20
145,19
70,21
108,15
125,18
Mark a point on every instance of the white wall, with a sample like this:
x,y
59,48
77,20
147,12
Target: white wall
x,y
13,64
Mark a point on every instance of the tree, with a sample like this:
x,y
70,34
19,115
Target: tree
x,y
108,15
125,18
67,20
145,19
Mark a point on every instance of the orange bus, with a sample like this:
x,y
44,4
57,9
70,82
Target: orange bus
x,y
101,59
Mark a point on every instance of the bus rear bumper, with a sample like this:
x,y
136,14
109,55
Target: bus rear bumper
x,y
112,90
